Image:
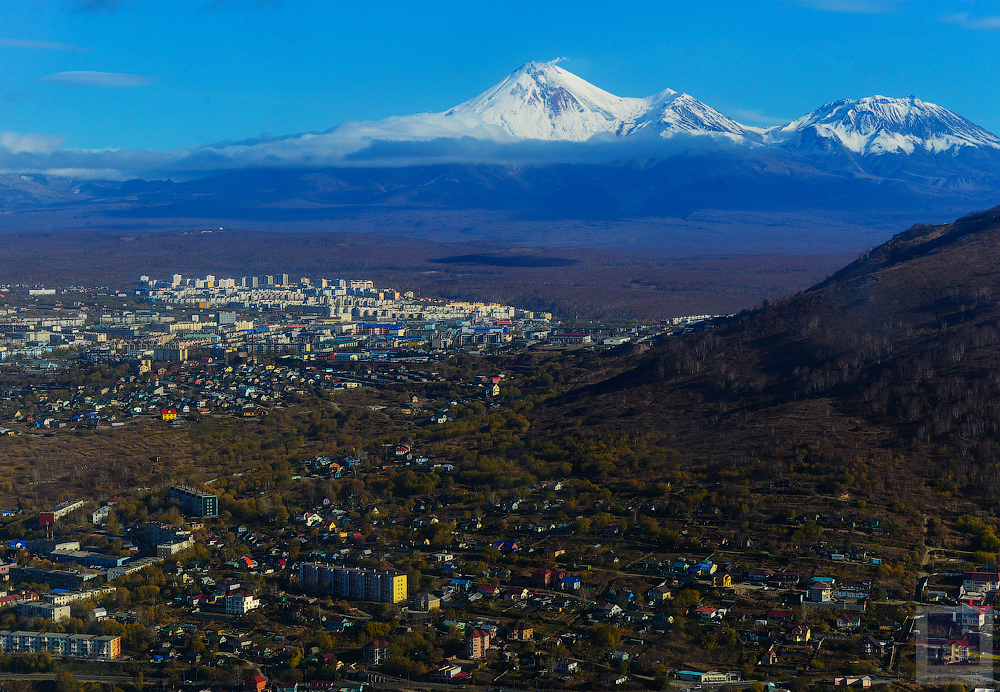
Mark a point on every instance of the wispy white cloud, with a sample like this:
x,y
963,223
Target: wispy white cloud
x,y
410,140
102,80
754,117
31,143
39,45
963,20
855,6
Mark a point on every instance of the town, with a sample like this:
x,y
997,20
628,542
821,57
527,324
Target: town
x,y
320,319
335,335
258,485
468,592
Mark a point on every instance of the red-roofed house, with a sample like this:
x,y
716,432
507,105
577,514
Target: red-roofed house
x,y
542,578
981,581
255,684
799,634
476,643
708,613
376,652
515,593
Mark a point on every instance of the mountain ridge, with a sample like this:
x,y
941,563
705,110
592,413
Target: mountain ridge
x,y
895,354
544,101
664,174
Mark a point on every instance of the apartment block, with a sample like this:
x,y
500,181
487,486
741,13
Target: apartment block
x,y
60,644
49,611
196,502
157,532
476,643
58,512
170,355
55,578
353,583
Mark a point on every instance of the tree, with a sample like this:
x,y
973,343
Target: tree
x,y
136,637
65,682
605,635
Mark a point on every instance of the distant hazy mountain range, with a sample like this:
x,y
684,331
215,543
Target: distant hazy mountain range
x,y
544,157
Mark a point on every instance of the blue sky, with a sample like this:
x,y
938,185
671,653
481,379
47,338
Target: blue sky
x,y
168,74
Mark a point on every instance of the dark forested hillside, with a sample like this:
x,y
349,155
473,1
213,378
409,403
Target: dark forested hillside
x,y
897,356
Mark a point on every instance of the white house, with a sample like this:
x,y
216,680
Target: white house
x,y
241,603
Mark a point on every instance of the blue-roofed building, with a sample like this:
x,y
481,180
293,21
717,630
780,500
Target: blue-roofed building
x,y
463,584
569,583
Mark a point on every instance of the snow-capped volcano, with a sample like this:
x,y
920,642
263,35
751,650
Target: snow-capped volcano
x,y
882,125
543,101
670,112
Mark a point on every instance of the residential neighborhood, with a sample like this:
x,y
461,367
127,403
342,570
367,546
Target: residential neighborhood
x,y
336,508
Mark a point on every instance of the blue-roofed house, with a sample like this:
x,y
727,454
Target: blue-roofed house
x,y
463,584
569,583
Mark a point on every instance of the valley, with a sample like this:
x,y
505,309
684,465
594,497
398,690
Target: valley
x,y
349,347
798,494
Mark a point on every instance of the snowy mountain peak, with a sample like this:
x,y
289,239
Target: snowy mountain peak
x,y
671,113
543,101
880,125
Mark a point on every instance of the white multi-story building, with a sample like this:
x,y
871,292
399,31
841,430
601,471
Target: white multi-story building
x,y
49,611
969,616
241,603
